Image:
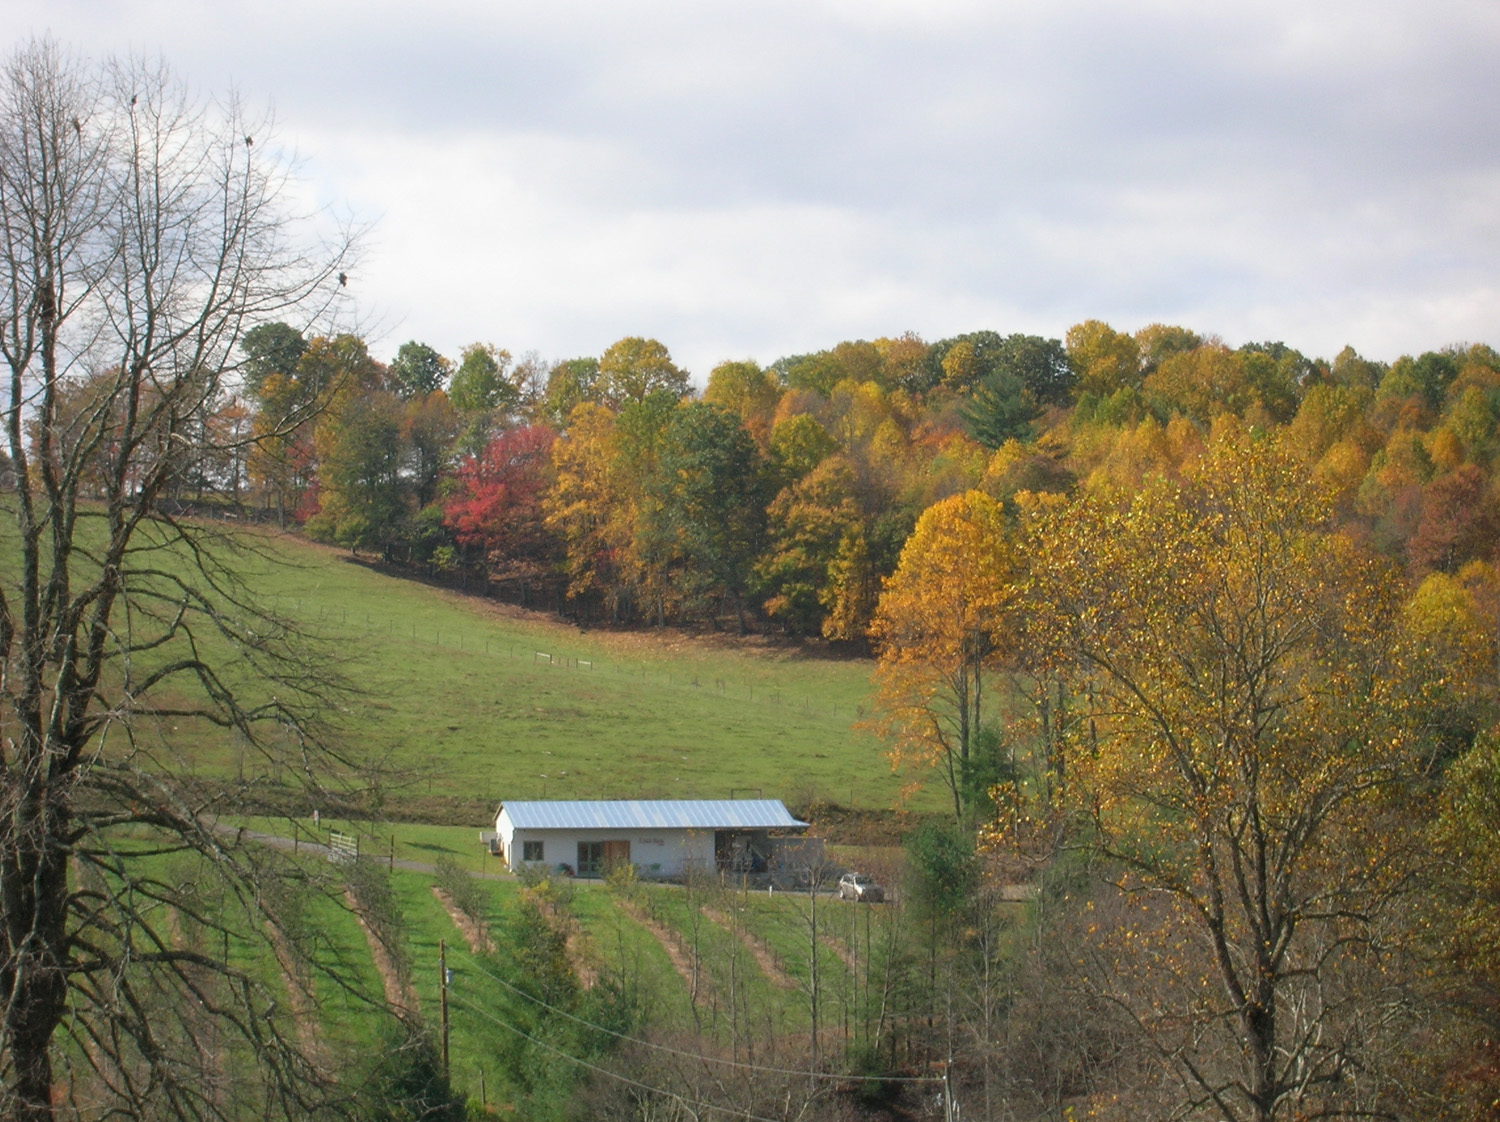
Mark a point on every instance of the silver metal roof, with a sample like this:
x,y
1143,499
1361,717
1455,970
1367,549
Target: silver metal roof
x,y
651,814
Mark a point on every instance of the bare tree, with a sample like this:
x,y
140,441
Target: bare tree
x,y
141,232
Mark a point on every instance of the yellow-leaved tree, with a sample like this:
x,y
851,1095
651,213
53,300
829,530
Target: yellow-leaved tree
x,y
936,628
1245,767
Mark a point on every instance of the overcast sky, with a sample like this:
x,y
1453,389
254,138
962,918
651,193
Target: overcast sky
x,y
757,179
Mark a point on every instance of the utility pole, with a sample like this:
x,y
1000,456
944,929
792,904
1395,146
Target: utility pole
x,y
443,990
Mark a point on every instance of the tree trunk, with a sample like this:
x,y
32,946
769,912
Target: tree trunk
x,y
33,878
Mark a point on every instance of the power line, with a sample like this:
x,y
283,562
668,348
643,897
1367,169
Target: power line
x,y
704,1103
697,1055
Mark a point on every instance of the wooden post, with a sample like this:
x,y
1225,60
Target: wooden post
x,y
443,990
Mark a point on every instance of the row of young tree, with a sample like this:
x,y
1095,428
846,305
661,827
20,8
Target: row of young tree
x,y
1261,755
783,495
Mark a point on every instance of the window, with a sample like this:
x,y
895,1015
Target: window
x,y
532,851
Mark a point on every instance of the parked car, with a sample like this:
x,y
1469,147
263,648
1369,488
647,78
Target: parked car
x,y
857,886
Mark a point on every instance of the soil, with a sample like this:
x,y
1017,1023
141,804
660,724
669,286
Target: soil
x,y
475,934
632,639
843,825
839,949
299,994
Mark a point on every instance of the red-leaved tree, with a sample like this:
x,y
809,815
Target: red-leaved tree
x,y
497,506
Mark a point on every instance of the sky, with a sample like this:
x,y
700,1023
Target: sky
x,y
756,179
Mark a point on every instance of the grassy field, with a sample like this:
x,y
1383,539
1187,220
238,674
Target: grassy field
x,y
457,697
461,697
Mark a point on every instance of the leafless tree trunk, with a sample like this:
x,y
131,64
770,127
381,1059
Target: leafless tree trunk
x,y
140,234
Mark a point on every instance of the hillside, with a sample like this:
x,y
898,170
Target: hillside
x,y
464,701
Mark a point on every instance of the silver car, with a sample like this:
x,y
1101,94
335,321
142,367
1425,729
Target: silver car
x,y
857,886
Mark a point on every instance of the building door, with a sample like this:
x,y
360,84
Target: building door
x,y
616,853
597,858
590,858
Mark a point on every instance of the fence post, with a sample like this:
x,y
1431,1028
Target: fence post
x,y
443,980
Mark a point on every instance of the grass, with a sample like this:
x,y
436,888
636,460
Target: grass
x,y
458,697
455,697
469,701
413,841
625,947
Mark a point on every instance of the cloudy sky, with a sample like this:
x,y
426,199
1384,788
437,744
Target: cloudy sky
x,y
755,179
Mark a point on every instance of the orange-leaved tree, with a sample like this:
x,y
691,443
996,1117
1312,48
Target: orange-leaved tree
x,y
1245,767
937,626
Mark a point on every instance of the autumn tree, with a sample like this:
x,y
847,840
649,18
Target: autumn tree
x,y
1104,359
497,503
1461,926
569,384
271,349
280,457
798,444
1458,522
483,393
429,427
588,506
142,234
1248,739
748,392
905,361
1201,383
1041,365
808,523
357,441
634,368
602,505
1159,341
480,383
939,620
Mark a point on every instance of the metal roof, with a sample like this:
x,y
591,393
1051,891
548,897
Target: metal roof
x,y
650,814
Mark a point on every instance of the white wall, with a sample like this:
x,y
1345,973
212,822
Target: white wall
x,y
670,851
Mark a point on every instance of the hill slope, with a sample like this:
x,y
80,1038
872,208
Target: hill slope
x,y
465,699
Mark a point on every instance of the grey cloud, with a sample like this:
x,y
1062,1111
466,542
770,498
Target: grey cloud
x,y
1048,159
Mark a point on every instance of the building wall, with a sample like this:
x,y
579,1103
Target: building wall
x,y
666,853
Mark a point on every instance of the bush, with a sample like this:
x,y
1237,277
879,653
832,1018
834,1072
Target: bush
x,y
461,888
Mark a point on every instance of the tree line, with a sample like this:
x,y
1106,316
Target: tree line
x,y
780,497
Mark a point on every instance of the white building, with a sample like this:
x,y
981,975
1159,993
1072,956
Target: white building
x,y
661,837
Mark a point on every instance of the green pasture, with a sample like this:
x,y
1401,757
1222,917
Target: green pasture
x,y
465,702
451,696
412,841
